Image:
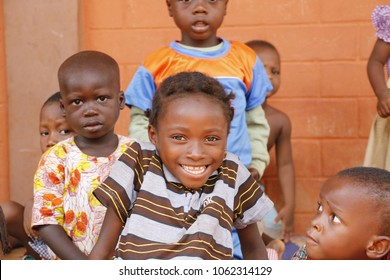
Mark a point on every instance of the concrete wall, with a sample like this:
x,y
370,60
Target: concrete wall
x,y
39,35
4,167
324,46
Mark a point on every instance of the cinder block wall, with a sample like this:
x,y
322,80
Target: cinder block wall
x,y
4,168
324,46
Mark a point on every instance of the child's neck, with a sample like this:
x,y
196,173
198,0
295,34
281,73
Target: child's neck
x,y
97,147
202,44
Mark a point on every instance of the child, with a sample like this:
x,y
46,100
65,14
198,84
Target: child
x,y
181,197
280,137
232,63
15,219
353,217
378,151
65,211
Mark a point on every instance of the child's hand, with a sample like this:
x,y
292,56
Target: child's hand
x,y
383,104
286,215
255,174
27,216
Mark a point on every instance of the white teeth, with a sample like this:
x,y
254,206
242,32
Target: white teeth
x,y
194,169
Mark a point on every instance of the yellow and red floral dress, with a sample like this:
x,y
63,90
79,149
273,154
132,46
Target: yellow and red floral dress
x,y
63,186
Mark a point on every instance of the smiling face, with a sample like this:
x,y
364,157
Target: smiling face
x,y
198,20
190,138
345,222
53,126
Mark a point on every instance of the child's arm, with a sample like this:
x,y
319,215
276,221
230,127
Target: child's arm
x,y
258,130
286,175
138,128
108,237
252,244
376,75
27,218
57,239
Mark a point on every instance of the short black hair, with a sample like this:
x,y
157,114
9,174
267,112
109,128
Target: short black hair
x,y
262,44
92,61
376,182
188,83
53,98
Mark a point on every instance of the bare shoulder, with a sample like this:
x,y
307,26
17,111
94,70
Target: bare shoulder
x,y
280,126
276,118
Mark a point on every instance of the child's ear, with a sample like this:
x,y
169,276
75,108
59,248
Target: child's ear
x,y
121,100
62,107
378,247
169,7
152,134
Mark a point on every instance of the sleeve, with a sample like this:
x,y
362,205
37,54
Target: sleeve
x,y
250,203
138,128
141,89
118,189
258,130
260,86
381,21
48,207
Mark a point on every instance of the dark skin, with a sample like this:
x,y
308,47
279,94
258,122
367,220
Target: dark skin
x,y
181,140
52,129
91,100
198,20
280,138
376,75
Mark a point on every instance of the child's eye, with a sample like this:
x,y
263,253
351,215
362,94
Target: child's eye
x,y
212,139
44,133
335,219
178,137
102,98
64,131
76,102
319,207
275,72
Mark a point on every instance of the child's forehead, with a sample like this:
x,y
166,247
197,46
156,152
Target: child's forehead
x,y
51,111
341,188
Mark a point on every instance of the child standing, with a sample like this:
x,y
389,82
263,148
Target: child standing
x,y
15,219
353,217
185,190
280,137
65,211
232,63
378,148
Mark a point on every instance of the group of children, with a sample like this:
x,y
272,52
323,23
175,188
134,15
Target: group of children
x,y
186,185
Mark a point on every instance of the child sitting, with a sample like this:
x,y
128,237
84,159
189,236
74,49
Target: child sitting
x,y
15,219
180,197
353,218
65,212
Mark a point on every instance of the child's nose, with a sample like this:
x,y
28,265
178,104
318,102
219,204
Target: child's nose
x,y
195,151
199,6
89,109
316,223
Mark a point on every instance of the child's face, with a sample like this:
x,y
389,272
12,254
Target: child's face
x,y
344,223
92,103
53,126
191,138
198,20
271,61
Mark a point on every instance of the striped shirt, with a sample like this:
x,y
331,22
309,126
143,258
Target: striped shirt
x,y
165,220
